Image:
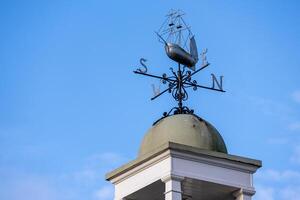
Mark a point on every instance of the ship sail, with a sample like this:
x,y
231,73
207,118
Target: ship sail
x,y
193,48
176,34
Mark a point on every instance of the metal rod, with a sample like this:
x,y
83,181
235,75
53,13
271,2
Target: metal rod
x,y
204,87
198,70
154,76
180,88
162,92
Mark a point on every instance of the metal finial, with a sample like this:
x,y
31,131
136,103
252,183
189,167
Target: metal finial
x,y
175,35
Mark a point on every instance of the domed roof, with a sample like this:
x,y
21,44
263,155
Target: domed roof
x,y
184,129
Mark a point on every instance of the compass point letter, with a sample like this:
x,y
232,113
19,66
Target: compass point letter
x,y
216,82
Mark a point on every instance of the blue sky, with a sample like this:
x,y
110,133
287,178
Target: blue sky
x,y
71,109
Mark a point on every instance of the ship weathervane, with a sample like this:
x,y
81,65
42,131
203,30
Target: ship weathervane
x,y
180,46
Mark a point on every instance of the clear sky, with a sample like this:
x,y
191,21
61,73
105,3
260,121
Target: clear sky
x,y
71,109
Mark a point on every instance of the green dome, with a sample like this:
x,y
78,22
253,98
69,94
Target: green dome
x,y
184,129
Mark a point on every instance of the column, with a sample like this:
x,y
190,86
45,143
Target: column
x,y
243,194
172,187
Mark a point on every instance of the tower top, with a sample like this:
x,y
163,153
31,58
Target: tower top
x,y
183,156
186,129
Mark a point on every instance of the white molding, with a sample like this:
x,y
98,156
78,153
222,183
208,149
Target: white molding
x,y
137,179
215,161
173,166
211,173
172,177
242,192
141,167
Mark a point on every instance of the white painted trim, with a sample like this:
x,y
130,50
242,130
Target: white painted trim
x,y
141,167
216,162
211,173
172,165
243,191
243,194
137,180
172,177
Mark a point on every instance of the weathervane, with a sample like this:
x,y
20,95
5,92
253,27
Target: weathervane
x,y
180,46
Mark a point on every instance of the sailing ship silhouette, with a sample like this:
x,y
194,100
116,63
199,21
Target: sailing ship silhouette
x,y
176,36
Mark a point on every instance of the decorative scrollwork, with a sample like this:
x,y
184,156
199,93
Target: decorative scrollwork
x,y
177,84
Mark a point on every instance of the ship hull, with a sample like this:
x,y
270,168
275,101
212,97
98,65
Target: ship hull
x,y
178,54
